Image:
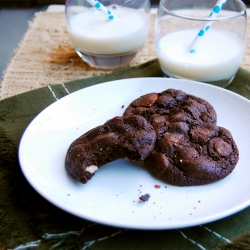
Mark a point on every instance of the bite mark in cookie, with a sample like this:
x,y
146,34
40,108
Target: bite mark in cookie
x,y
121,137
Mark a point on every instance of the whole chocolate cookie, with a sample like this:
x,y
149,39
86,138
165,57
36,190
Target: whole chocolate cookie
x,y
129,137
202,154
172,106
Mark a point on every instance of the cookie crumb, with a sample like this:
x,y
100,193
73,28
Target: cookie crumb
x,y
144,197
157,186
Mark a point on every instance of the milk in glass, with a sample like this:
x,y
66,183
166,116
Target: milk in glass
x,y
218,55
94,34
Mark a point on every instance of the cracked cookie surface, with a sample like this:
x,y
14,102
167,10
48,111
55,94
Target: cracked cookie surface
x,y
204,154
183,110
190,148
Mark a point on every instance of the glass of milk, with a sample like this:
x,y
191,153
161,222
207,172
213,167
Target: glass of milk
x,y
218,51
104,42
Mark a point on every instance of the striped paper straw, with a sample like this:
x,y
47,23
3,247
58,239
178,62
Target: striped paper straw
x,y
216,10
101,7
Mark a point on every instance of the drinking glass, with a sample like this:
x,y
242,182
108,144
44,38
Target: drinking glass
x,y
108,40
201,40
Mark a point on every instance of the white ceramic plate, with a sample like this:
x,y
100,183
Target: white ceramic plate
x,y
111,197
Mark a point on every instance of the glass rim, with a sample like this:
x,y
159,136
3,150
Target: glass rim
x,y
214,19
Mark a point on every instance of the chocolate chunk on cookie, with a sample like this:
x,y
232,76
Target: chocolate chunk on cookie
x,y
203,154
183,110
129,137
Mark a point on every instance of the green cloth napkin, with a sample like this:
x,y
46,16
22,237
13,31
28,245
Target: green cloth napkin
x,y
28,221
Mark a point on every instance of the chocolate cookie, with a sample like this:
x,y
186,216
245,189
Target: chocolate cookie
x,y
129,137
190,149
201,154
183,110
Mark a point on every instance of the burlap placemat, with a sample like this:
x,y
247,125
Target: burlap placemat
x,y
45,56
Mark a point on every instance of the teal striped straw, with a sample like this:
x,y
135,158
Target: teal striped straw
x,y
101,7
216,10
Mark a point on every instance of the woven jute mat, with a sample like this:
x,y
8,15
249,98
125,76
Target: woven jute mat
x,y
46,56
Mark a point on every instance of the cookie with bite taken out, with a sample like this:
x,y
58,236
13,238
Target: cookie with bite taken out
x,y
129,137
